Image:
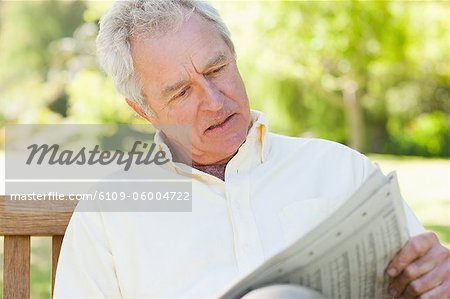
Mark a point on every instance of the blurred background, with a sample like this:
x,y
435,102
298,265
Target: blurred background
x,y
372,75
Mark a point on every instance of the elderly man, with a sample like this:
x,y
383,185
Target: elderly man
x,y
253,191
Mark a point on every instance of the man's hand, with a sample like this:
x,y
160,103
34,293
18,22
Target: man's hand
x,y
421,269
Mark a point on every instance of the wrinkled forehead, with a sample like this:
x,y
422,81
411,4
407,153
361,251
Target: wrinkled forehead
x,y
176,56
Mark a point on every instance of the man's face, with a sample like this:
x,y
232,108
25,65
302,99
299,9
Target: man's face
x,y
190,77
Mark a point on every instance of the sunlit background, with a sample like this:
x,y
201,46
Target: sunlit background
x,y
372,75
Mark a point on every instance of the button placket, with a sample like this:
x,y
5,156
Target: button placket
x,y
249,252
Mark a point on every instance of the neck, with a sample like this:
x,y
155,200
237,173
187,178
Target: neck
x,y
217,170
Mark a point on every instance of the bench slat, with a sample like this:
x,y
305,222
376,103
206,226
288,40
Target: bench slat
x,y
44,219
19,220
56,248
16,267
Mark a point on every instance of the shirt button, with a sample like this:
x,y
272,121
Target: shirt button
x,y
236,205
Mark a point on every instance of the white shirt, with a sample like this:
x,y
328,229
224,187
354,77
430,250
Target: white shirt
x,y
276,189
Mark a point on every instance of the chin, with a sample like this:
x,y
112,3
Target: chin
x,y
223,147
227,149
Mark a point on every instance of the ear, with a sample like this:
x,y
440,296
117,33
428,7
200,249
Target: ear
x,y
139,110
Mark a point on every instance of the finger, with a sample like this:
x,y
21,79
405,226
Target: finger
x,y
414,248
429,281
441,292
418,268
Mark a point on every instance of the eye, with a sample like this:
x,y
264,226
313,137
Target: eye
x,y
181,93
217,70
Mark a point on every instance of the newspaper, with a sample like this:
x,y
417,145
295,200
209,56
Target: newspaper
x,y
346,255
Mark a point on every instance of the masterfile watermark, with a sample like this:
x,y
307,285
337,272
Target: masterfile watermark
x,y
50,196
96,156
117,168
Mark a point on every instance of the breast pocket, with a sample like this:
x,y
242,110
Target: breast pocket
x,y
299,217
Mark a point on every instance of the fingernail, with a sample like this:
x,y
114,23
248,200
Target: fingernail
x,y
392,272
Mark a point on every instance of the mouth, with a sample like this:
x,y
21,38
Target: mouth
x,y
222,124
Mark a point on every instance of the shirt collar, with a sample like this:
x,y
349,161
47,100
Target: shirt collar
x,y
255,143
257,134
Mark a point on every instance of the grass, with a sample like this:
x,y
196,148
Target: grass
x,y
425,185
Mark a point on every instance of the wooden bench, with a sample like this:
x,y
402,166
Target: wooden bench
x,y
18,225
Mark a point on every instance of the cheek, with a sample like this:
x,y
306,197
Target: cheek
x,y
184,114
231,88
235,87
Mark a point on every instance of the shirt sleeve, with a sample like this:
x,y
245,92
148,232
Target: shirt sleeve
x,y
85,267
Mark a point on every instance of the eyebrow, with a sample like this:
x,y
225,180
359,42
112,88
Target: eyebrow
x,y
216,60
174,87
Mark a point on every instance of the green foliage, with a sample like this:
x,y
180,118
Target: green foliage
x,y
374,75
350,70
96,101
29,81
28,29
426,134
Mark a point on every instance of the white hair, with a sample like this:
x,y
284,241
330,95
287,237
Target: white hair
x,y
150,17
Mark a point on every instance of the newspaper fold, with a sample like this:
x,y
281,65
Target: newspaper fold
x,y
346,255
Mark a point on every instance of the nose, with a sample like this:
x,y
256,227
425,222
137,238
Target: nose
x,y
212,98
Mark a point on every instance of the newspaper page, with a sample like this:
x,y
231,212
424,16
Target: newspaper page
x,y
346,255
